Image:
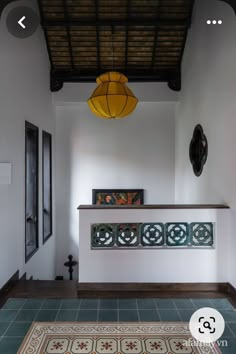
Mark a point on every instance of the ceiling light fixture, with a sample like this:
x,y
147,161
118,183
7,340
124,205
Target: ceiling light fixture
x,y
112,99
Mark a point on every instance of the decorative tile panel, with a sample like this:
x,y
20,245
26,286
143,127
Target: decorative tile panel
x,y
177,234
152,234
103,235
201,234
127,235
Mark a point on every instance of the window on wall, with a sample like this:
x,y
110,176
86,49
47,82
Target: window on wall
x,y
31,190
47,185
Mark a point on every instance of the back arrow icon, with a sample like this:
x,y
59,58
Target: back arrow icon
x,y
21,22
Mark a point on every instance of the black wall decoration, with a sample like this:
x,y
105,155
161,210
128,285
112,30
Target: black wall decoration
x,y
31,189
198,150
47,185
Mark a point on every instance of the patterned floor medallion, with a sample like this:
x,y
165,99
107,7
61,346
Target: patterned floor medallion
x,y
113,338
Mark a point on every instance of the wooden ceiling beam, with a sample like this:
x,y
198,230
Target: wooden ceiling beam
x,y
118,22
163,75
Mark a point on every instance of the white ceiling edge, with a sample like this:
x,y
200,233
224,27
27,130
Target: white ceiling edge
x,y
73,93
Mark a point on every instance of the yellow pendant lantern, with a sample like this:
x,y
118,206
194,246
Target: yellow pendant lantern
x,y
112,99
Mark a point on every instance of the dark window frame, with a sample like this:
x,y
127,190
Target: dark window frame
x,y
46,135
29,126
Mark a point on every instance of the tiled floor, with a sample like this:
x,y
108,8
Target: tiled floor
x,y
17,315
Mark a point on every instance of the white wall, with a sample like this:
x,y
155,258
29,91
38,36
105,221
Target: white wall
x,y
152,265
208,97
24,95
136,152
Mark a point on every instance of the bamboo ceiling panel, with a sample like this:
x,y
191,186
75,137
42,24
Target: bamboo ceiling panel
x,y
144,39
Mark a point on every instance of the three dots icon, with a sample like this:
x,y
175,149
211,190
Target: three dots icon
x,y
214,22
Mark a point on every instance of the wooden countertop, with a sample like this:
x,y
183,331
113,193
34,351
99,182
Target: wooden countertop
x,y
154,206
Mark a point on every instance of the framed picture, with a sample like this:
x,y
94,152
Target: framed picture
x,y
117,196
47,185
31,190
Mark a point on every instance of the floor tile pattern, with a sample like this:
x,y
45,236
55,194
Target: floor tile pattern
x,y
112,338
17,315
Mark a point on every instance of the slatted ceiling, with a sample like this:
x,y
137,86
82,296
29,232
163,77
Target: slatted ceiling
x,y
141,38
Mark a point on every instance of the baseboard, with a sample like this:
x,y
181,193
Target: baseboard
x,y
231,290
9,285
153,287
23,277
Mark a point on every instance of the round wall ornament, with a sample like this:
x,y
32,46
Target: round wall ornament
x,y
198,150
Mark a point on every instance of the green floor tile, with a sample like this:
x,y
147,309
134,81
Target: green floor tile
x,y
200,303
46,315
128,315
10,345
184,304
14,304
229,316
3,327
228,333
231,346
18,329
51,304
221,304
67,315
89,304
70,304
146,304
232,327
108,304
148,315
108,315
26,315
33,304
169,315
127,304
87,315
165,304
7,315
186,314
